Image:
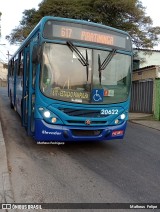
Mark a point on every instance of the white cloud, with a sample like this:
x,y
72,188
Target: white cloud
x,y
11,16
12,13
152,10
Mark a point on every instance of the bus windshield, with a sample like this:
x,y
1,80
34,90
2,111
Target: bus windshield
x,y
79,77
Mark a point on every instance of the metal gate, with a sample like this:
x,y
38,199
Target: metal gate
x,y
142,96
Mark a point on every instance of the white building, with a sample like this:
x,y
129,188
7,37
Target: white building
x,y
144,58
3,71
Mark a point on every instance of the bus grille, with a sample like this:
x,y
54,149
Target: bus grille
x,y
82,112
83,122
86,132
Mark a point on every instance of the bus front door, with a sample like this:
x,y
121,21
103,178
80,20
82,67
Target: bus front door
x,y
28,91
25,88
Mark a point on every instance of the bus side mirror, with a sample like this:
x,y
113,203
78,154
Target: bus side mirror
x,y
36,54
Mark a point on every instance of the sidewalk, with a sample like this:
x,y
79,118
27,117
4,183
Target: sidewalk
x,y
144,119
6,195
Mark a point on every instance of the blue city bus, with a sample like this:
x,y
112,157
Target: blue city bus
x,y
70,80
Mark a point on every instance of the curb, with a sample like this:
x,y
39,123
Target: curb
x,y
147,123
6,195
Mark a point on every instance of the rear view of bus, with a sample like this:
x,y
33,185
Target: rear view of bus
x,y
75,83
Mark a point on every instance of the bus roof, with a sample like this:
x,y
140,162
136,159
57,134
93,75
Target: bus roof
x,y
46,18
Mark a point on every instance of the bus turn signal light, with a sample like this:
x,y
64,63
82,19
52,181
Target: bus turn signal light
x,y
54,120
117,132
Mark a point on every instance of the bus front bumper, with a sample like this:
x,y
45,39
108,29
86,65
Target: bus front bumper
x,y
48,132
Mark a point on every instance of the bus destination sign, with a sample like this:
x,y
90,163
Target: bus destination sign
x,y
85,33
81,34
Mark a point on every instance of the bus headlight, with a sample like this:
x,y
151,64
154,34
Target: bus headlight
x,y
122,116
47,114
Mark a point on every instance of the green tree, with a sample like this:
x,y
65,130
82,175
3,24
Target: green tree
x,y
128,15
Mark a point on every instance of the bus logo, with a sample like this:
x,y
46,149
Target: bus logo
x,y
88,122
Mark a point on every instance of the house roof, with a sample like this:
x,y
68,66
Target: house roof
x,y
151,50
146,68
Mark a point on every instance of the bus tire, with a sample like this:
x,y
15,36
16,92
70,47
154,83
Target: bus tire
x,y
11,104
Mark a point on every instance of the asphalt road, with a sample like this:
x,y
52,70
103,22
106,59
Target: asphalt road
x,y
120,171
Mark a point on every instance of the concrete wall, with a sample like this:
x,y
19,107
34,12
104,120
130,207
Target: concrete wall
x,y
146,73
3,83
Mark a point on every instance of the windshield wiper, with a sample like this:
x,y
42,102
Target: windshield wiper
x,y
81,58
105,63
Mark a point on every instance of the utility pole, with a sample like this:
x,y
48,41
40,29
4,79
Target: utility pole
x,y
8,55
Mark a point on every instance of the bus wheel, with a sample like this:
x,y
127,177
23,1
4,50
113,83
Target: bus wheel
x,y
11,105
